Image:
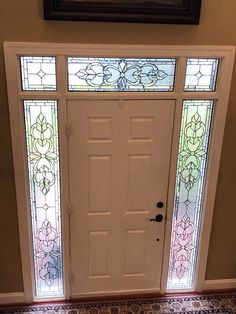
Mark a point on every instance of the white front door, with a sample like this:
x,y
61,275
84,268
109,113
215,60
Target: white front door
x,y
119,156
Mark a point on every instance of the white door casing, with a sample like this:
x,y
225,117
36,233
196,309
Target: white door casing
x,y
12,51
119,154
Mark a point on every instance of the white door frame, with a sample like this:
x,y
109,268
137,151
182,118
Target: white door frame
x,y
12,51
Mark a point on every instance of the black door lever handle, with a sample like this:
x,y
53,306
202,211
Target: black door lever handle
x,y
158,218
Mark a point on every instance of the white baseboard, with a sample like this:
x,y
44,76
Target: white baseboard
x,y
11,298
219,284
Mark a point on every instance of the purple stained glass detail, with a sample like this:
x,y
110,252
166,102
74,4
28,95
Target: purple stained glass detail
x,y
41,131
189,192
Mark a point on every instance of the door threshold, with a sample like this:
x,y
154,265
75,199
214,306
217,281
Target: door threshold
x,y
116,297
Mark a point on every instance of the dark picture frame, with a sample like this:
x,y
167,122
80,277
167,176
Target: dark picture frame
x,y
135,11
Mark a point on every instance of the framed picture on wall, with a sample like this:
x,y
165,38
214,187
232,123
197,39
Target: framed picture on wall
x,y
139,11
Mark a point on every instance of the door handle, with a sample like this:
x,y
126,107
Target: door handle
x,y
158,218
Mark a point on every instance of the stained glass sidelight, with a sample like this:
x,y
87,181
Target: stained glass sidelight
x,y
38,73
120,74
201,74
44,186
189,191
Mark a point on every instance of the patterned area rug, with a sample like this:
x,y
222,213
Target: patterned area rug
x,y
182,304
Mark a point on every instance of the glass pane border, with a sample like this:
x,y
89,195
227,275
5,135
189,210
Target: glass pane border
x,y
41,89
35,73
12,50
199,74
120,74
194,145
43,155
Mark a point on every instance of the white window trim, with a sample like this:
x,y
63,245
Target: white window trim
x,y
15,96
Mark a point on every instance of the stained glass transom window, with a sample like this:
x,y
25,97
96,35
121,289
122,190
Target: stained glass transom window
x,y
41,131
38,73
189,191
201,74
120,74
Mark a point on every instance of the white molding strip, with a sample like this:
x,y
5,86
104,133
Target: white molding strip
x,y
116,293
15,95
219,284
12,298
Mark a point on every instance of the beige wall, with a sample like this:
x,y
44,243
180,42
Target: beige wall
x,y
22,21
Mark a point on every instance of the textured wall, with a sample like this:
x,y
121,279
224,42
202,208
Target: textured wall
x,y
23,21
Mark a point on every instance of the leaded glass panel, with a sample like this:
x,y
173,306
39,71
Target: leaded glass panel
x,y
189,191
201,74
38,73
41,131
120,74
